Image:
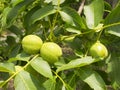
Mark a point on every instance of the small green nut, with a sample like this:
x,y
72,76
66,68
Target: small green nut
x,y
98,50
50,52
31,44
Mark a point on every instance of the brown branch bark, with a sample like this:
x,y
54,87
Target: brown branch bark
x,y
81,7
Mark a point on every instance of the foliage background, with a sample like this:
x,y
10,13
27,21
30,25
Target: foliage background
x,y
73,24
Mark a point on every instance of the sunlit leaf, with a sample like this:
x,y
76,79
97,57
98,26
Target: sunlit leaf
x,y
49,84
73,30
57,2
26,81
94,12
7,67
42,67
22,57
77,63
71,17
48,1
54,2
1,82
92,78
67,18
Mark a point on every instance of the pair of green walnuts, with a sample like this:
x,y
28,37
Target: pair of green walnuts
x,y
51,52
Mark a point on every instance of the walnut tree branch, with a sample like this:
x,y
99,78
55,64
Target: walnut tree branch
x,y
81,7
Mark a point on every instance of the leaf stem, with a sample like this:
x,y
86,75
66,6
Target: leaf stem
x,y
99,35
101,28
54,22
18,71
59,78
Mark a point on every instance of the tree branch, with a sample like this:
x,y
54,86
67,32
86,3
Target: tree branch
x,y
81,7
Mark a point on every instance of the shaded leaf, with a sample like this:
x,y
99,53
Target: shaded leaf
x,y
113,69
107,6
113,17
72,79
7,67
92,78
41,13
77,63
67,87
16,10
14,29
15,50
94,13
4,16
15,2
26,81
42,67
26,23
10,41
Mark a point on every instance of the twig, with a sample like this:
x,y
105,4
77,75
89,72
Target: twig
x,y
81,7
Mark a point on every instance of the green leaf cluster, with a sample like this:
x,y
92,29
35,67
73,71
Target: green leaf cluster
x,y
59,21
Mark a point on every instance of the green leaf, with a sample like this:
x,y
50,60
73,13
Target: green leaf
x,y
22,57
1,82
4,16
49,84
48,1
7,67
42,67
113,69
73,30
92,78
113,17
66,17
30,28
10,41
14,29
41,13
108,6
67,87
57,2
54,2
71,17
15,50
12,14
77,63
72,79
26,81
15,2
94,13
